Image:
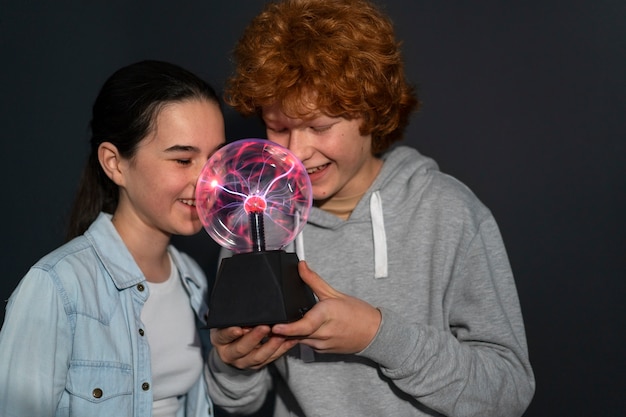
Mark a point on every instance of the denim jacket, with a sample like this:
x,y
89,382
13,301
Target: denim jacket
x,y
73,342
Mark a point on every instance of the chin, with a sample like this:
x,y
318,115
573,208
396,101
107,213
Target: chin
x,y
189,229
321,195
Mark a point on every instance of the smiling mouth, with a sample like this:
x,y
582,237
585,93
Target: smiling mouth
x,y
316,169
190,202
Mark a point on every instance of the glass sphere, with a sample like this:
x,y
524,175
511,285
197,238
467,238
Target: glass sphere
x,y
253,195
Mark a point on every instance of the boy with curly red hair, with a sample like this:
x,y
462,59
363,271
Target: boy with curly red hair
x,y
418,313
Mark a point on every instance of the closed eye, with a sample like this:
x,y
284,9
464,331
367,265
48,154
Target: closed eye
x,y
321,129
278,131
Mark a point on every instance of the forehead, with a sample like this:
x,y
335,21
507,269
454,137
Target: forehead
x,y
276,112
186,122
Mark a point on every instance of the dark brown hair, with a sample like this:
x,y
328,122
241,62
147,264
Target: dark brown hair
x,y
124,113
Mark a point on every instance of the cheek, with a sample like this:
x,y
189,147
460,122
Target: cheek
x,y
279,139
350,162
159,185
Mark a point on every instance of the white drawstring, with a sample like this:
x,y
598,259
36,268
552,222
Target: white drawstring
x,y
300,245
379,236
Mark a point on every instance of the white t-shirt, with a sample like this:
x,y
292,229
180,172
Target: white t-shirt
x,y
175,350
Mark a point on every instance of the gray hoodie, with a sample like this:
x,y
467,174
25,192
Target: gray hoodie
x,y
424,250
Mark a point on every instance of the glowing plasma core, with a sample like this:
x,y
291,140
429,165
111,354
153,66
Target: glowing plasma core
x,y
253,176
254,204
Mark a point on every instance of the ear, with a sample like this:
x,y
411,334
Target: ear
x,y
111,162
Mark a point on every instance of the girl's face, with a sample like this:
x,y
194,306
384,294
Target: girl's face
x,y
158,189
337,157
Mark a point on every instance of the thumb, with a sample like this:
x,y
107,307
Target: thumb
x,y
315,282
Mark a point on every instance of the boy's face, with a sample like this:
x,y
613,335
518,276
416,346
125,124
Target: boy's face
x,y
337,157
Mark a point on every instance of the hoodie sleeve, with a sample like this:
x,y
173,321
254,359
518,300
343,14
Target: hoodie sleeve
x,y
477,367
237,391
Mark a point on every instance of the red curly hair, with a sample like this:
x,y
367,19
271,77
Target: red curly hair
x,y
341,53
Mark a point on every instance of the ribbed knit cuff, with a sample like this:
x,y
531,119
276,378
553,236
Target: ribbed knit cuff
x,y
393,342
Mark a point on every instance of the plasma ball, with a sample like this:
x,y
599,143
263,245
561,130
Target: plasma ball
x,y
253,193
255,204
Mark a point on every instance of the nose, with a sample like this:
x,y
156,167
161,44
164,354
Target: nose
x,y
195,174
298,144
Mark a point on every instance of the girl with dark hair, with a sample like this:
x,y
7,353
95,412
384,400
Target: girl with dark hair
x,y
109,323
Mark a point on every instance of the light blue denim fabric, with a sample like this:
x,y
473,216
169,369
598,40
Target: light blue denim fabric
x,y
72,343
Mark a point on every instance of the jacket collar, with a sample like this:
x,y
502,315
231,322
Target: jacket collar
x,y
118,261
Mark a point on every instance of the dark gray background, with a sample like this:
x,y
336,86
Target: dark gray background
x,y
523,101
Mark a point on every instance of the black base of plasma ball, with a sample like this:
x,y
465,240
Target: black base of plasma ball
x,y
258,288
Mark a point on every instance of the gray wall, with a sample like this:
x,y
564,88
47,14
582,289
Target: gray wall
x,y
523,101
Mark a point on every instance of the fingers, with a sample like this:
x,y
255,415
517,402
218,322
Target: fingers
x,y
315,282
225,336
274,348
249,348
306,326
315,317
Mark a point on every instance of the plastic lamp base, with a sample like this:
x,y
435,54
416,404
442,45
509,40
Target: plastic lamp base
x,y
258,288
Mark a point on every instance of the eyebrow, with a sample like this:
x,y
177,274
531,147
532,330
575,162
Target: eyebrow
x,y
182,148
189,148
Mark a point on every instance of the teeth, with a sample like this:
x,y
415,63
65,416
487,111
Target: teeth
x,y
189,202
312,170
